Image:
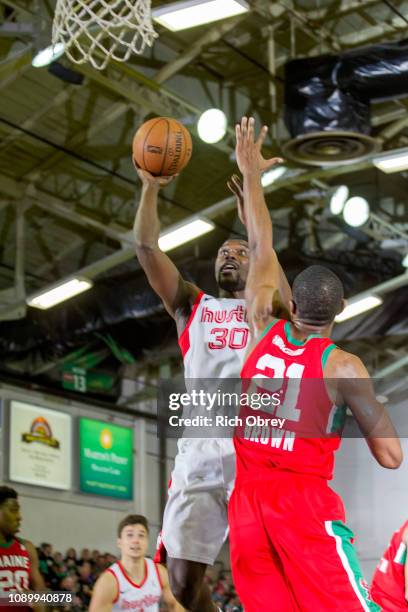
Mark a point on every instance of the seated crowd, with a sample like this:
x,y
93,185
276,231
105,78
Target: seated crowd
x,y
78,573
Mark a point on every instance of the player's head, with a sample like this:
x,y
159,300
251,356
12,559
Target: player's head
x,y
318,296
133,536
10,517
231,265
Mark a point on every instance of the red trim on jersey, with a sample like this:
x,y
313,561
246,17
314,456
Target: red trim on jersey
x,y
117,584
138,586
184,340
156,567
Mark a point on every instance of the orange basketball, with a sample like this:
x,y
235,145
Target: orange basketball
x,y
162,146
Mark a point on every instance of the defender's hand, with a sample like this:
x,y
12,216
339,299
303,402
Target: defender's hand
x,y
248,150
235,185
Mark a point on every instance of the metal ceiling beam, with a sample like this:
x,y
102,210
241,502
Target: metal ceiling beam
x,y
109,116
17,6
373,33
392,367
188,55
14,66
60,208
17,133
148,95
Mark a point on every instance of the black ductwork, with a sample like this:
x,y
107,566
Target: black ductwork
x,y
327,101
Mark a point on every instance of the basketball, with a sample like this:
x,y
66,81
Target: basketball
x,y
162,146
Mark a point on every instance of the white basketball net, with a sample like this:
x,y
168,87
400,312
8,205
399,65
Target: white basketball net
x,y
97,31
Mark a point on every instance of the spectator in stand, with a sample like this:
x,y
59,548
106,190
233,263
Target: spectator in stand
x,y
95,555
71,555
85,556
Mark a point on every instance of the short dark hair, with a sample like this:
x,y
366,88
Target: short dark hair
x,y
318,295
132,519
236,237
7,493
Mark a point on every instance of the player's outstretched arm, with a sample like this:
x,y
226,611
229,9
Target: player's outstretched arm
x,y
176,294
168,597
236,186
265,292
104,593
356,391
36,580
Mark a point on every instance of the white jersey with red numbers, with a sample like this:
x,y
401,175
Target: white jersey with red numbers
x,y
14,569
195,522
214,340
143,597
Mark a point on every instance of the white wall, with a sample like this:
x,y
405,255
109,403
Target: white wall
x,y
376,499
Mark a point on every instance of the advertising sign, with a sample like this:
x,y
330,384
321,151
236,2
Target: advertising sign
x,y
40,446
106,459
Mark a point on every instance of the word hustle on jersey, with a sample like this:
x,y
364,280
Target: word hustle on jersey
x,y
250,421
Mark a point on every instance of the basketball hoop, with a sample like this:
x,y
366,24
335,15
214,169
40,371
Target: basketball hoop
x,y
97,31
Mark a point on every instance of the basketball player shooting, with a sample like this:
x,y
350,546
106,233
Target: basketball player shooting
x,y
204,471
290,547
19,568
389,588
134,582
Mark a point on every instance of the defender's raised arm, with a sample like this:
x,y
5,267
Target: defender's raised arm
x,y
267,289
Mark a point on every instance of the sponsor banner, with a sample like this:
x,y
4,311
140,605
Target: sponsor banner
x,y
40,446
106,459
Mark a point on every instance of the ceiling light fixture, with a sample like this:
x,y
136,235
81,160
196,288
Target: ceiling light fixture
x,y
394,161
338,199
191,13
212,125
185,233
272,175
358,307
47,55
59,293
356,211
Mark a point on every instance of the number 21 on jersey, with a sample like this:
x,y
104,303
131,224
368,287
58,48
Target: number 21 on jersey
x,y
289,390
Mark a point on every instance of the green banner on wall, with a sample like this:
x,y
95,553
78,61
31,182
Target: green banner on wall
x,y
106,459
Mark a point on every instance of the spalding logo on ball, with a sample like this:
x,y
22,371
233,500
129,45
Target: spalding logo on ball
x,y
162,146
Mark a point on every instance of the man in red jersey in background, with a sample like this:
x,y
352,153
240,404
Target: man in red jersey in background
x,y
290,547
19,570
390,583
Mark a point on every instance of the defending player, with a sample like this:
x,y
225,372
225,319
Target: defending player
x,y
213,334
290,547
134,582
19,570
389,588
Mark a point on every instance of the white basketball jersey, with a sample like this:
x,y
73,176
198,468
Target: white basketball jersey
x,y
143,597
214,340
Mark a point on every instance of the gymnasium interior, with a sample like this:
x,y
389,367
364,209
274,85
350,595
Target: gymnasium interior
x,y
330,80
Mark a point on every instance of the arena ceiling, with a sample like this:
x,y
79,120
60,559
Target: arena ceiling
x,y
68,189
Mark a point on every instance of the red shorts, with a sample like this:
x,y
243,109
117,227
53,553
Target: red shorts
x,y
386,601
290,548
160,556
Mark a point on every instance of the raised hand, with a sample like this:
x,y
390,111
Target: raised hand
x,y
248,150
235,185
149,180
